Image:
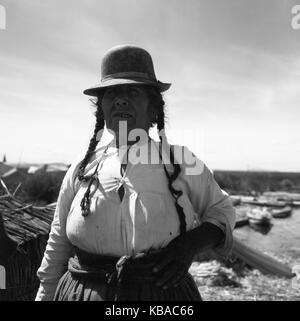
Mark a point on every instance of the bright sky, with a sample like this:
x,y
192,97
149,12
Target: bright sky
x,y
234,66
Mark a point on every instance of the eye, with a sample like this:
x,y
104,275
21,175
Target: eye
x,y
133,92
110,93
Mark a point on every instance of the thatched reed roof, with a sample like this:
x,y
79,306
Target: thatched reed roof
x,y
24,230
24,222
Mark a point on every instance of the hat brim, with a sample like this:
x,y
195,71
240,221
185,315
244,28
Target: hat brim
x,y
95,91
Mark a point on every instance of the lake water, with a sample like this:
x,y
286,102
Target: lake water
x,y
283,237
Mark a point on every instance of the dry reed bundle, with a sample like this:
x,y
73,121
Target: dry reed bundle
x,y
28,227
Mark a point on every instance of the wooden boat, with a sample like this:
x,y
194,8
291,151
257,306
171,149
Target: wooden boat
x,y
281,213
265,203
241,216
282,195
235,199
259,216
241,222
262,229
296,203
259,260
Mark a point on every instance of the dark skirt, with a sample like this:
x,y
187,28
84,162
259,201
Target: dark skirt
x,y
93,277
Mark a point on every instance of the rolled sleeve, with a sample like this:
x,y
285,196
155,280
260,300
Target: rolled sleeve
x,y
213,205
222,215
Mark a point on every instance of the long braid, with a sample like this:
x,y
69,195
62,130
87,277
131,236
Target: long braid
x,y
85,202
92,146
177,169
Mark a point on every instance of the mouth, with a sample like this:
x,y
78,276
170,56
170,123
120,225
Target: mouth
x,y
122,115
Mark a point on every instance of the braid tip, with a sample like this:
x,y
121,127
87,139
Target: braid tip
x,y
85,212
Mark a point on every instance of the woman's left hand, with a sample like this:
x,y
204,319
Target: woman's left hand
x,y
176,258
174,263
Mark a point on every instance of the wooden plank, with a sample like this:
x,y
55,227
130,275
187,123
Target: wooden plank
x,y
259,260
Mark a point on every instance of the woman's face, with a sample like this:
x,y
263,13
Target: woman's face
x,y
128,103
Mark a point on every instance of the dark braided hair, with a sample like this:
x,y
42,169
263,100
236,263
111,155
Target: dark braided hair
x,y
157,117
85,202
160,120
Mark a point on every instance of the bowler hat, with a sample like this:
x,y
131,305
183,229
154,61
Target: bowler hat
x,y
126,64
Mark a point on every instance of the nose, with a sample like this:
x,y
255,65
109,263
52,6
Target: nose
x,y
121,102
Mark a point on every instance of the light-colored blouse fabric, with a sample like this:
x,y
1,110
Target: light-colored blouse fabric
x,y
145,218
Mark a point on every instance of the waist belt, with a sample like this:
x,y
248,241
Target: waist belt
x,y
114,271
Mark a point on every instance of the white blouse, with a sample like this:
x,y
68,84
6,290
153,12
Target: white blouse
x,y
146,216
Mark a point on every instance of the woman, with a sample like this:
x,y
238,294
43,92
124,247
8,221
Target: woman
x,y
130,216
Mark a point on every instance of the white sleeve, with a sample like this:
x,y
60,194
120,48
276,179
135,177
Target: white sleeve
x,y
211,203
59,248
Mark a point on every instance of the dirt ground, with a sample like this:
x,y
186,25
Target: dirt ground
x,y
216,282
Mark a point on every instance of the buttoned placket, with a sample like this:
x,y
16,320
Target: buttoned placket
x,y
132,200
